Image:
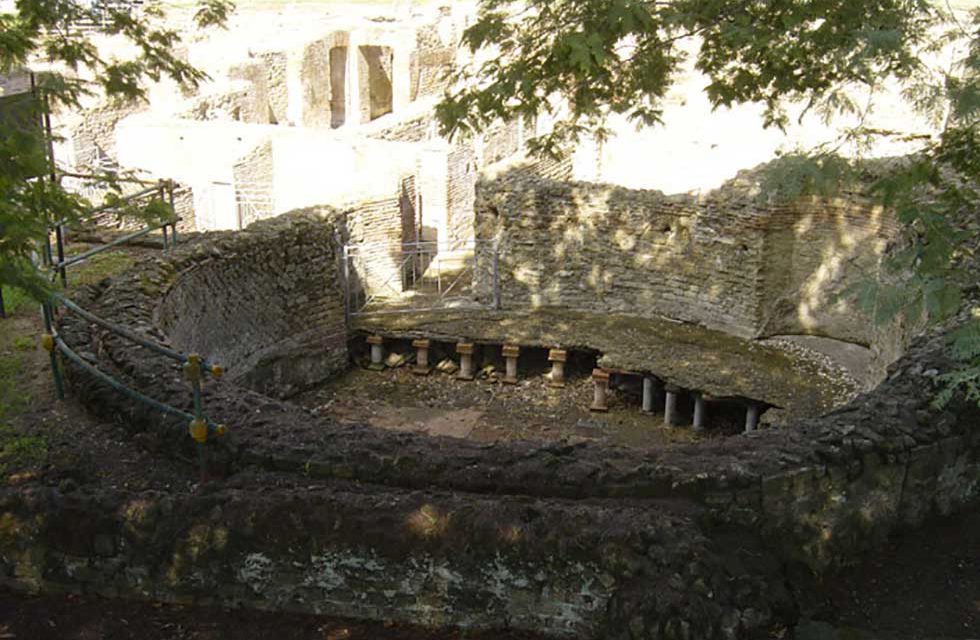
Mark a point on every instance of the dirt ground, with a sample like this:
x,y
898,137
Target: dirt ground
x,y
76,618
486,410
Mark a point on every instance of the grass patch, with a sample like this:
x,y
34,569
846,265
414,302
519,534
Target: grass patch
x,y
14,298
12,398
98,267
19,451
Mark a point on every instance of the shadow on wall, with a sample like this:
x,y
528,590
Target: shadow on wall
x,y
270,310
724,261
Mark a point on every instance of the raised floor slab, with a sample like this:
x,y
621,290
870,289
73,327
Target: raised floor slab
x,y
685,355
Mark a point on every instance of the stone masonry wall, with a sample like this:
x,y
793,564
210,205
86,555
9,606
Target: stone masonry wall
x,y
696,541
428,64
316,75
184,208
267,74
378,227
550,168
610,249
237,102
93,138
461,181
724,262
814,249
270,311
500,141
253,174
415,129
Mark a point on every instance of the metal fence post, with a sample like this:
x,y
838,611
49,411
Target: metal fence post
x,y
59,239
496,274
173,213
48,314
3,309
198,427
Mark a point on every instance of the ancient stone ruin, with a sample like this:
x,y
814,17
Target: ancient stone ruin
x,y
346,236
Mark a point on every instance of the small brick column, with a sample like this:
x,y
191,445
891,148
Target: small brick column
x,y
700,411
510,353
670,405
649,390
422,367
751,417
465,351
600,381
377,353
557,357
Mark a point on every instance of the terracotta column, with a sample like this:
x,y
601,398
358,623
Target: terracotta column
x,y
465,351
600,380
557,357
510,353
422,367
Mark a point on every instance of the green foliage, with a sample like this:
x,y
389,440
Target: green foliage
x,y
14,299
580,61
12,399
46,31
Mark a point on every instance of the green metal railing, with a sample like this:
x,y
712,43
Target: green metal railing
x,y
193,366
162,191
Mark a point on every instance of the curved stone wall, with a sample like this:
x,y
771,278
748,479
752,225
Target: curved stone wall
x,y
723,261
266,304
692,541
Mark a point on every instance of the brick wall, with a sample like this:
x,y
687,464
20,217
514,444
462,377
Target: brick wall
x,y
267,73
253,174
377,226
462,174
724,262
265,303
428,64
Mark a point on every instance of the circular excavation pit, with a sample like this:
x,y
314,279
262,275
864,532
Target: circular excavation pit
x,y
391,495
435,399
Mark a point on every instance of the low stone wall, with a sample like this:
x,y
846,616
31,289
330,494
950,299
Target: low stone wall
x,y
427,557
695,541
266,304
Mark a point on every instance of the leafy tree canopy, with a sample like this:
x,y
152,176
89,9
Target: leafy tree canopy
x,y
45,34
